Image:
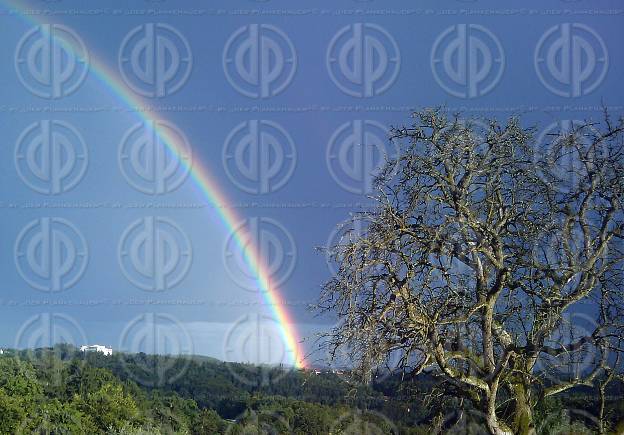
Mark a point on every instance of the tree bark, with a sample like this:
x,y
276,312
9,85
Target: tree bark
x,y
495,426
523,413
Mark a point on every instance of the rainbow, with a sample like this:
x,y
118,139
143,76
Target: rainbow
x,y
210,190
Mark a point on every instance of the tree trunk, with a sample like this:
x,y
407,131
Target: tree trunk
x,y
523,413
495,426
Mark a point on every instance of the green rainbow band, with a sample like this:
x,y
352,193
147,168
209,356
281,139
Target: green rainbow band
x,y
210,189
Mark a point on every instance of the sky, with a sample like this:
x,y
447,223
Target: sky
x,y
105,237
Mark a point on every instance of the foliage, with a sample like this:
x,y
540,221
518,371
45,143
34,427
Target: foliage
x,y
94,397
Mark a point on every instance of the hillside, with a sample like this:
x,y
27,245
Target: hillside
x,y
62,390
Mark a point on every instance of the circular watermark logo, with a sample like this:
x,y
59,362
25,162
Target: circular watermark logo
x,y
569,421
571,59
155,157
51,157
363,60
260,243
467,60
167,344
462,421
364,423
155,60
44,330
51,61
344,234
356,152
258,339
259,60
51,254
41,334
42,422
259,422
348,359
570,363
562,152
259,156
154,253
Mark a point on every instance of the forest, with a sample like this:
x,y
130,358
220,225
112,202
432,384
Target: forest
x,y
61,390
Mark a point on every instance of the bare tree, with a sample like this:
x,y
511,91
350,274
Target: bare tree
x,y
478,258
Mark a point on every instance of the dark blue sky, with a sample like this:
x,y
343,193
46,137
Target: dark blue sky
x,y
274,98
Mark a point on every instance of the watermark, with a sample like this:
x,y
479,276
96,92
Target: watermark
x,y
155,157
259,60
259,156
259,421
166,343
342,236
260,254
564,155
41,336
571,362
349,360
571,59
47,329
462,421
363,60
51,156
356,152
569,420
259,340
155,254
155,60
467,60
364,423
51,61
51,254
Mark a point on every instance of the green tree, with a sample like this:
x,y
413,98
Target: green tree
x,y
310,419
209,422
54,417
110,408
19,392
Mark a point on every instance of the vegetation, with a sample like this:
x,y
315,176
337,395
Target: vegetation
x,y
63,391
493,261
483,294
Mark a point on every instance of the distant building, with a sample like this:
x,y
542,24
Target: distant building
x,y
97,348
1,351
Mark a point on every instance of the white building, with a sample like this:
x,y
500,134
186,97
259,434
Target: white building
x,y
97,348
